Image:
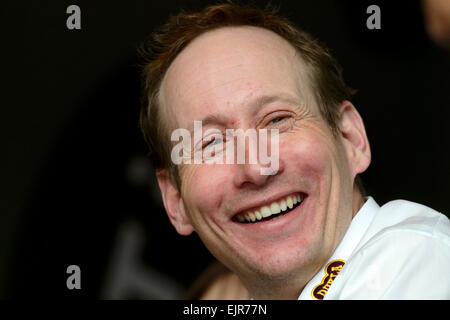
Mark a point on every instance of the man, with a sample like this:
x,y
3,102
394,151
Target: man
x,y
305,230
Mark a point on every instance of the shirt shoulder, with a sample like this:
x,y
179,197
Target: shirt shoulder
x,y
405,254
408,219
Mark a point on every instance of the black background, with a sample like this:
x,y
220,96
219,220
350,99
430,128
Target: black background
x,y
73,166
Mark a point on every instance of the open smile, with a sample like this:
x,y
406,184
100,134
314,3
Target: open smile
x,y
270,211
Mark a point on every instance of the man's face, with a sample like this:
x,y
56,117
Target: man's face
x,y
247,77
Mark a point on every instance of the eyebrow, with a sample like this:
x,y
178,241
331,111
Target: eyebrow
x,y
211,119
263,100
256,104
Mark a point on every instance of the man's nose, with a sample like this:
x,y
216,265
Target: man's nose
x,y
254,174
249,174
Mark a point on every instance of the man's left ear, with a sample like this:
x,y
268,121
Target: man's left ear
x,y
354,138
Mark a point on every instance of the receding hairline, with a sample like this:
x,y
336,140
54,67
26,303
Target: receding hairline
x,y
304,72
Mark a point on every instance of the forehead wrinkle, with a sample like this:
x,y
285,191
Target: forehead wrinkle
x,y
186,64
256,105
178,91
212,52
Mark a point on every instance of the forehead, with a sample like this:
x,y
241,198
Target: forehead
x,y
223,69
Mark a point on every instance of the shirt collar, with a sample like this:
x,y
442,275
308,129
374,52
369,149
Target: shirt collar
x,y
355,232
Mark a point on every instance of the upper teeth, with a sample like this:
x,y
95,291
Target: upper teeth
x,y
270,209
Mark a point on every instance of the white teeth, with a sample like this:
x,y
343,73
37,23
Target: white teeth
x,y
289,202
283,205
275,208
265,212
272,209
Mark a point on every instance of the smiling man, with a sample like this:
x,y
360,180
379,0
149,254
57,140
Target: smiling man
x,y
306,230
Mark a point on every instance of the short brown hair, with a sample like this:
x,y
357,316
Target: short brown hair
x,y
166,43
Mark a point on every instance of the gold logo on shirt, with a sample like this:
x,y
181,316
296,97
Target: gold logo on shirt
x,y
331,271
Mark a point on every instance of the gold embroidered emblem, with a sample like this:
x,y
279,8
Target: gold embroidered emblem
x,y
331,271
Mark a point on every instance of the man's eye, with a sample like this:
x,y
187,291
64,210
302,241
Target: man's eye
x,y
212,142
277,119
282,122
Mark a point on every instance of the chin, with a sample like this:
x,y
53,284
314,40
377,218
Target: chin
x,y
273,264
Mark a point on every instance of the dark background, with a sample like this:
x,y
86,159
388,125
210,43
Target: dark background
x,y
77,187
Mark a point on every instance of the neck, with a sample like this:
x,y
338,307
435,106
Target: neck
x,y
358,201
285,288
276,291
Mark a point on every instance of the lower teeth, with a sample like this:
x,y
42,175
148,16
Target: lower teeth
x,y
276,217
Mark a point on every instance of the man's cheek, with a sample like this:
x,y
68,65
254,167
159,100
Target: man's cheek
x,y
304,156
201,191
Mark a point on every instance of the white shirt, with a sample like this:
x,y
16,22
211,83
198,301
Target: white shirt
x,y
398,251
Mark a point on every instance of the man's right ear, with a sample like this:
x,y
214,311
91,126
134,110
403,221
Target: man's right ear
x,y
173,203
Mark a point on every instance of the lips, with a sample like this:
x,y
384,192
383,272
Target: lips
x,y
270,210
